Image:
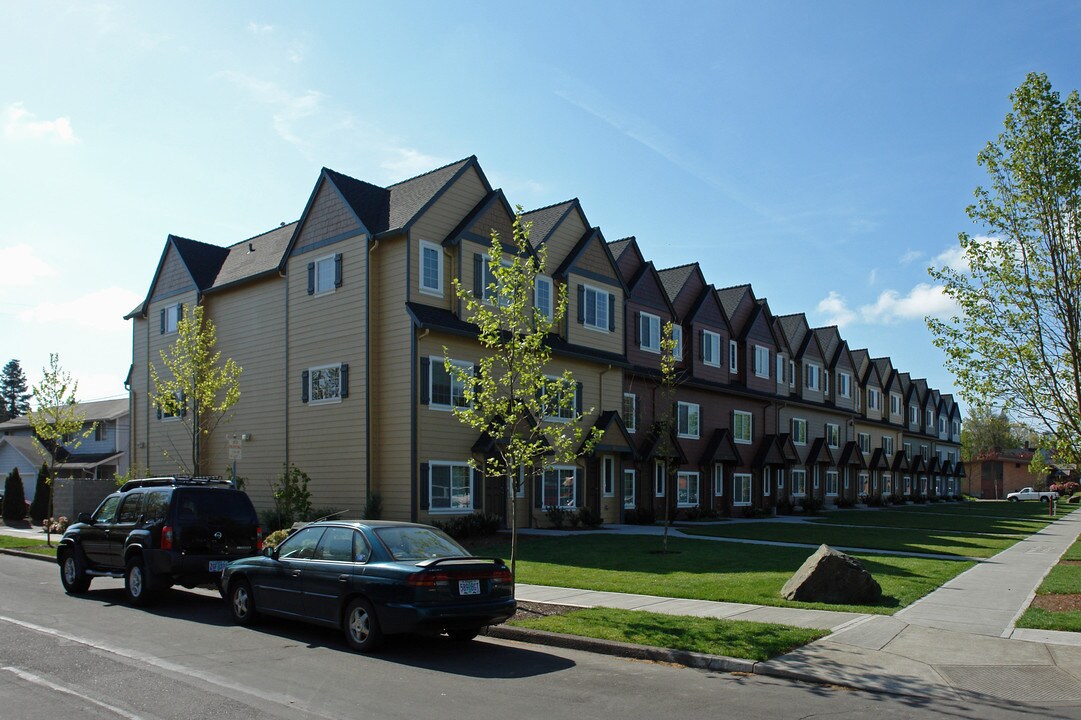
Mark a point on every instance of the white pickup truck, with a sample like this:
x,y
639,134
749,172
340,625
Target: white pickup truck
x,y
1030,494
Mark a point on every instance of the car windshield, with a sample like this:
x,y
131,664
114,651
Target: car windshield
x,y
419,543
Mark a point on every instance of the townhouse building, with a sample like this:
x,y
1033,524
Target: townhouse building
x,y
342,321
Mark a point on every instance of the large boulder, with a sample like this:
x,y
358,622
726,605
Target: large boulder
x,y
830,576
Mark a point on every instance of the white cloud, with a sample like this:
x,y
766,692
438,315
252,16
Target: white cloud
x,y
101,310
290,109
954,257
23,267
911,256
295,52
922,300
258,28
21,124
872,276
406,162
836,310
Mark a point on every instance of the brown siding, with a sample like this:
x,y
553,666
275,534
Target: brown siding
x,y
173,278
328,217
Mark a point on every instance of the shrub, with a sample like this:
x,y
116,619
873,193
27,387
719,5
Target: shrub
x,y
292,499
275,538
373,508
588,518
641,515
14,497
784,506
896,499
39,508
473,525
811,505
557,516
844,503
1070,488
700,513
873,500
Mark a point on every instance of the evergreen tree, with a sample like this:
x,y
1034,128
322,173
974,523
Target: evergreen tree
x,y
14,497
39,506
14,392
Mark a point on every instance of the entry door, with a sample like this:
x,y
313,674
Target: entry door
x,y
496,496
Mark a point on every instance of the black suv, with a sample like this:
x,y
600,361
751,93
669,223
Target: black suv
x,y
160,532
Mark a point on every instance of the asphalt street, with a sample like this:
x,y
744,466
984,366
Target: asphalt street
x,y
95,657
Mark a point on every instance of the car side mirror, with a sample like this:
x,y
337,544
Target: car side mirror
x,y
85,518
271,552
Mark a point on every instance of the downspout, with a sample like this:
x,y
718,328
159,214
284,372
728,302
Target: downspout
x,y
368,372
285,398
413,470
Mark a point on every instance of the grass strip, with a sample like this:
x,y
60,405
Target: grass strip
x,y
704,570
733,638
33,545
939,542
1062,580
1073,552
900,518
1040,619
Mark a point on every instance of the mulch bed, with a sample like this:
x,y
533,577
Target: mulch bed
x,y
531,610
1058,603
1069,562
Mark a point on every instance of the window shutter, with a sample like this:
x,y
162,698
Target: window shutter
x,y
478,485
344,389
425,477
581,304
637,413
163,321
311,278
579,487
577,397
611,312
337,270
425,382
478,275
702,345
304,386
179,311
538,490
158,408
638,328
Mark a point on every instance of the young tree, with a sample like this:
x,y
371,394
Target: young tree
x,y
59,425
665,425
196,386
14,396
1018,334
14,497
509,391
39,506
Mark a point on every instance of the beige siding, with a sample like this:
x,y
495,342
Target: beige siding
x,y
168,443
328,217
391,402
250,322
446,213
173,278
447,299
565,237
328,441
579,334
595,260
140,420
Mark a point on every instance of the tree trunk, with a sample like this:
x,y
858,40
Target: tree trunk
x,y
513,528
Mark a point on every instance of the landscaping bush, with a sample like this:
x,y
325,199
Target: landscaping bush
x,y
700,513
14,497
640,515
56,526
39,508
373,508
1070,488
811,505
292,500
874,500
476,524
844,503
275,538
557,516
588,518
784,506
895,499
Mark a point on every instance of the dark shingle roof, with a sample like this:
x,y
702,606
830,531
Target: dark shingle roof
x,y
830,340
545,219
254,256
370,202
408,197
795,329
673,279
731,297
618,246
202,260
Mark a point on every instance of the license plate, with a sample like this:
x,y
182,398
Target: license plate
x,y
469,587
217,565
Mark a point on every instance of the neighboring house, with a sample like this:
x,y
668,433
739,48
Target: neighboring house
x,y
996,474
342,318
83,470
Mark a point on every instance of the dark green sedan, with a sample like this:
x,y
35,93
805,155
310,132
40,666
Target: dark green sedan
x,y
372,579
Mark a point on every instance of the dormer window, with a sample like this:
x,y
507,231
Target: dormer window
x,y
431,268
542,296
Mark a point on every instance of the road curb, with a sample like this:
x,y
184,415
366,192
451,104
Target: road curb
x,y
30,556
699,661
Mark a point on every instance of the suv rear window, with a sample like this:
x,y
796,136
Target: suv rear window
x,y
214,506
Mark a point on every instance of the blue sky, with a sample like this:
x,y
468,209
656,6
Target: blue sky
x,y
823,152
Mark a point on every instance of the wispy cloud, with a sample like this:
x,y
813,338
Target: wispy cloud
x,y
911,256
259,28
290,109
23,266
890,308
954,257
406,162
109,307
872,277
20,124
295,52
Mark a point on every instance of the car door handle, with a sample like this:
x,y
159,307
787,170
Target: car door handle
x,y
296,573
344,577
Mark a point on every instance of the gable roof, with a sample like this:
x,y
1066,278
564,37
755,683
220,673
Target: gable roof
x,y
253,257
709,293
673,279
731,297
761,310
591,235
619,246
110,409
546,219
829,340
648,270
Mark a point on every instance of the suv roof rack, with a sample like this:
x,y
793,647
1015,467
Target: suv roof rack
x,y
171,480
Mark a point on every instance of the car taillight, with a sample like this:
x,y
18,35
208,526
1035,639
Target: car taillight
x,y
427,579
167,538
502,576
259,538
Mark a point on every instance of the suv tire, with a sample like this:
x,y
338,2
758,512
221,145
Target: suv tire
x,y
73,572
242,602
138,583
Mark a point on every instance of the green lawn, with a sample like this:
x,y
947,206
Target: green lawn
x,y
1039,619
34,545
914,518
750,640
1030,509
1062,580
1074,552
706,570
904,539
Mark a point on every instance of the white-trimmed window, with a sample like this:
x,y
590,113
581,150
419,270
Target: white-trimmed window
x,y
687,489
831,482
887,483
908,484
865,442
559,487
630,411
799,482
761,361
767,487
895,404
324,384
913,414
956,429
677,339
847,476
799,431
925,451
711,348
171,316
791,374
649,332
844,384
660,473
718,479
810,376
780,479
859,398
826,383
833,435
741,489
629,478
733,356
865,483
595,313
817,476
163,414
742,427
780,366
431,268
941,425
930,420
446,391
687,420
325,273
608,476
873,400
543,294
908,450
887,444
561,407
450,487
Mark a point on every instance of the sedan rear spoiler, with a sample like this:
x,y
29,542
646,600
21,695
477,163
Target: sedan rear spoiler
x,y
458,559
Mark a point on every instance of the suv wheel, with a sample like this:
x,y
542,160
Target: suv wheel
x,y
242,603
73,572
362,630
138,583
